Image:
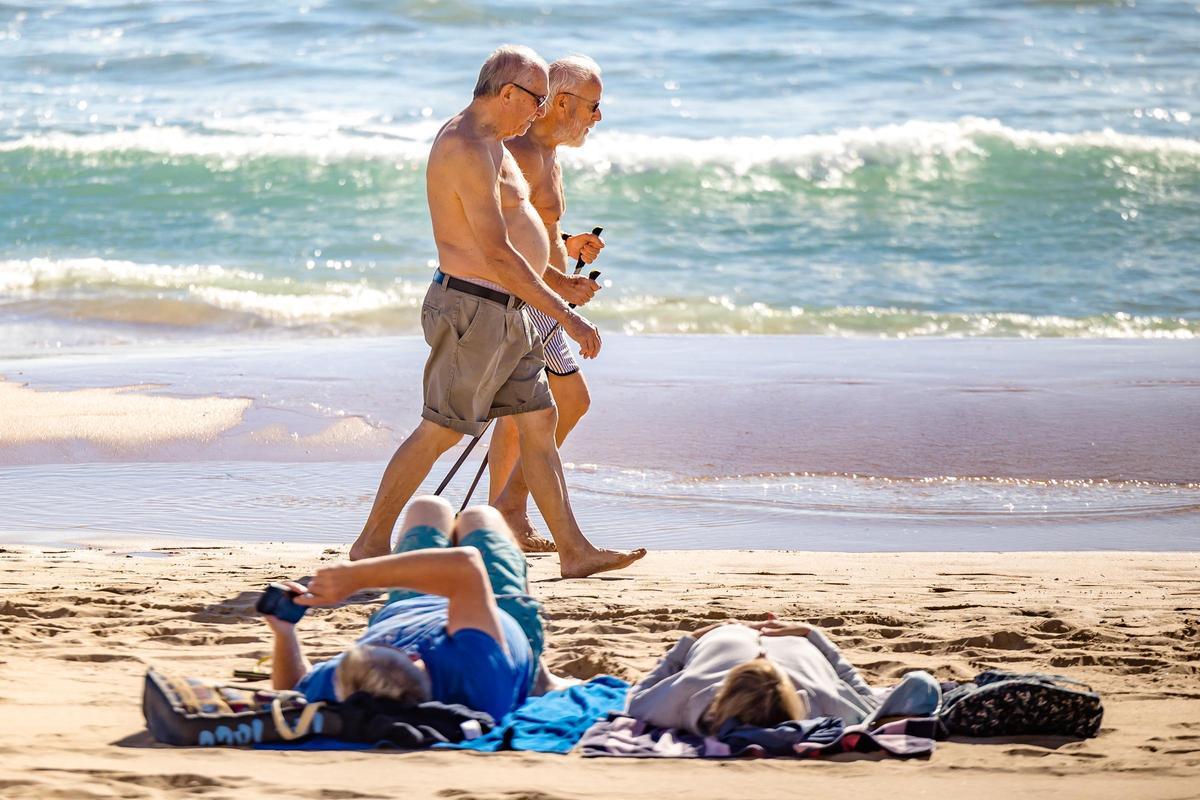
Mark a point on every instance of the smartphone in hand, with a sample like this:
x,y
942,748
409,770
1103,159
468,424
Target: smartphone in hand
x,y
279,601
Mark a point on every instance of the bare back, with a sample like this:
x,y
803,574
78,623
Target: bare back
x,y
459,252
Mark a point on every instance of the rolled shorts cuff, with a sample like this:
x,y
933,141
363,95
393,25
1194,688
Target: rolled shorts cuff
x,y
562,374
468,427
541,402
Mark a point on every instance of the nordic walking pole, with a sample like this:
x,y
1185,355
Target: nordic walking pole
x,y
483,464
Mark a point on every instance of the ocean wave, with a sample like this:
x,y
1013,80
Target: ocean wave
x,y
809,156
217,297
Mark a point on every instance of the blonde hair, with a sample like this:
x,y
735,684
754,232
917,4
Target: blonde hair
x,y
755,693
507,64
567,73
382,672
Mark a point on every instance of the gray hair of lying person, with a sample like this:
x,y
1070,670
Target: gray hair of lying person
x,y
381,671
509,63
567,73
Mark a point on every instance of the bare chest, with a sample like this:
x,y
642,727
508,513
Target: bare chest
x,y
514,190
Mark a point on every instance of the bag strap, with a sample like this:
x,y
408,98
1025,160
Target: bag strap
x,y
1042,677
303,722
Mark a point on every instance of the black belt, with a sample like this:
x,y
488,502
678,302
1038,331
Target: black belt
x,y
459,285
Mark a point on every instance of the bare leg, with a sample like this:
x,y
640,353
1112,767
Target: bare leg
x,y
429,511
510,492
480,518
578,557
475,518
408,467
503,450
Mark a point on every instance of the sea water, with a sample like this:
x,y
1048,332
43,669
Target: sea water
x,y
226,199
850,168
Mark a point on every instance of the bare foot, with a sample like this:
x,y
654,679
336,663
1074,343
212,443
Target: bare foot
x,y
363,547
597,560
546,681
529,540
535,543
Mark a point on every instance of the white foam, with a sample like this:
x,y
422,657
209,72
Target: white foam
x,y
829,154
35,273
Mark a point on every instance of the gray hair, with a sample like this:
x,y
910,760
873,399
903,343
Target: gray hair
x,y
381,672
507,64
567,73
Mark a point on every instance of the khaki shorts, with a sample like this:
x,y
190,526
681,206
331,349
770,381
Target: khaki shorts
x,y
485,361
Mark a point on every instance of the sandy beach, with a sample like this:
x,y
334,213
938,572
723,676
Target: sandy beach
x,y
82,624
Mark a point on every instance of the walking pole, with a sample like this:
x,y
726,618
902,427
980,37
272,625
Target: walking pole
x,y
483,465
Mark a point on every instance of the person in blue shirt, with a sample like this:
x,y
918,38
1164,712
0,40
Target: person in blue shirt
x,y
465,631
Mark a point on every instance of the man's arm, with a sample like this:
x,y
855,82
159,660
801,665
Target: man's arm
x,y
456,573
474,179
288,664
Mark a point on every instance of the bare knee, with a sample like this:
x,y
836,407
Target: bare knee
x,y
572,397
537,427
428,510
480,518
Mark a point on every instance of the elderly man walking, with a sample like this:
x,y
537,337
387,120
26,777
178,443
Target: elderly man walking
x,y
486,359
572,110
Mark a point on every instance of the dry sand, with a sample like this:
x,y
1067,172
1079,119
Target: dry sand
x,y
79,627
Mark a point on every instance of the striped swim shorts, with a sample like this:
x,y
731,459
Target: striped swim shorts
x,y
559,359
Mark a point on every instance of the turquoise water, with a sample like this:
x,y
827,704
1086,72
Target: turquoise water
x,y
225,169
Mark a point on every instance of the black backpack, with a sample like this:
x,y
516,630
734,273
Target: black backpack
x,y
1013,704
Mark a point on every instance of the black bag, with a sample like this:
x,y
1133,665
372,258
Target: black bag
x,y
190,711
1014,704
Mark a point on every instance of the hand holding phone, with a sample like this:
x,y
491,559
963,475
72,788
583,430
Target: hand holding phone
x,y
279,601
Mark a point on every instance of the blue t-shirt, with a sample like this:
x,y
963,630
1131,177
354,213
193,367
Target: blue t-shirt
x,y
470,667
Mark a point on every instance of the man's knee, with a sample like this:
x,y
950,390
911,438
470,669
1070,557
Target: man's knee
x,y
571,395
478,518
429,510
535,426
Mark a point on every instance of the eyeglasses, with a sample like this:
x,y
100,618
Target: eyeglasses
x,y
540,98
595,103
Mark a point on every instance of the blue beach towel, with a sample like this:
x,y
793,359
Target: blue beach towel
x,y
554,722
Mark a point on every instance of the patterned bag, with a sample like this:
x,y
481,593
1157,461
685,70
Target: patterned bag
x,y
190,711
1013,704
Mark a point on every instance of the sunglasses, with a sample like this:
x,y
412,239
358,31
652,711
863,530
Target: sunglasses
x,y
540,98
595,103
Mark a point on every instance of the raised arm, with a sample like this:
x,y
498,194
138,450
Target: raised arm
x,y
456,573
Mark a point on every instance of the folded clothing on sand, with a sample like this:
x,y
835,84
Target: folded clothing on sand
x,y
627,737
366,722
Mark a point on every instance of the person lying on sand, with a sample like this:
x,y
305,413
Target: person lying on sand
x,y
486,358
573,109
467,632
764,674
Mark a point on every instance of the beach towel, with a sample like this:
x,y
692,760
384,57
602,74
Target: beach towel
x,y
554,722
626,737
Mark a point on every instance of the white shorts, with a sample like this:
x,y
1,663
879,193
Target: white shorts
x,y
559,360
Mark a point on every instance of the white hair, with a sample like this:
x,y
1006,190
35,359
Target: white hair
x,y
382,672
508,63
567,73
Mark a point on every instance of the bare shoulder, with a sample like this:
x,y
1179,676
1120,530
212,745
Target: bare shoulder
x,y
457,145
528,157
